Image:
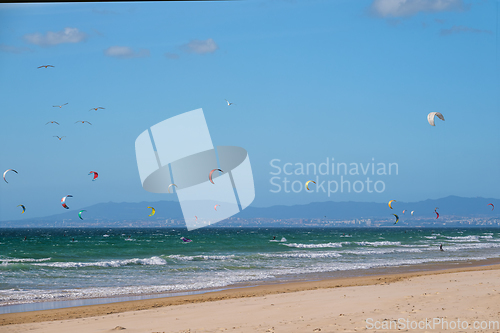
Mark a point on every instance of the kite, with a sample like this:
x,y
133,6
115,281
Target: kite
x,y
186,240
196,218
307,183
168,189
6,173
95,175
412,212
210,175
80,214
215,207
430,117
24,208
492,205
437,215
153,211
52,122
404,210
397,218
45,66
390,203
63,201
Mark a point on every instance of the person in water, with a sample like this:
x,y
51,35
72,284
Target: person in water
x,y
441,247
274,237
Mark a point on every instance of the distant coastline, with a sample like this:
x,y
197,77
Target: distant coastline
x,y
454,212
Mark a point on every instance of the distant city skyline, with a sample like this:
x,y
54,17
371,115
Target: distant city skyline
x,y
453,210
310,82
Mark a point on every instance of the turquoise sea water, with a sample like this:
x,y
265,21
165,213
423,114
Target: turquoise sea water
x,y
74,264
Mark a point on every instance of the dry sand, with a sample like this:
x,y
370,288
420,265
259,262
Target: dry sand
x,y
338,305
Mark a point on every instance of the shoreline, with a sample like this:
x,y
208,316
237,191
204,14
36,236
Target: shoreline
x,y
285,279
380,276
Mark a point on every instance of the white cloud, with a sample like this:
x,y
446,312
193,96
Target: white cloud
x,y
200,46
125,52
456,29
14,49
401,8
68,35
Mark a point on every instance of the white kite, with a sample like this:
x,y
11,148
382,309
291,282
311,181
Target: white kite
x,y
432,115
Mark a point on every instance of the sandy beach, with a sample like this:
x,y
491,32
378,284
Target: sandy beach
x,y
452,300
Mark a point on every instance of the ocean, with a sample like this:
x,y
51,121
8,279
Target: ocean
x,y
52,267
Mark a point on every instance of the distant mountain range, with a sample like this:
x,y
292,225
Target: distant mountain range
x,y
451,205
103,213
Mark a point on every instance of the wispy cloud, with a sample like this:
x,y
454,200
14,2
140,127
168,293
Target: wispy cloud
x,y
457,29
125,52
68,35
200,46
171,55
14,49
403,8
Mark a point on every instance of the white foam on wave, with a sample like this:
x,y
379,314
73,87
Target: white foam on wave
x,y
283,239
347,266
222,279
107,263
16,260
315,246
199,257
430,237
309,255
385,243
381,251
471,238
470,246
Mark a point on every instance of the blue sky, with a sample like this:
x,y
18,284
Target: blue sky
x,y
310,80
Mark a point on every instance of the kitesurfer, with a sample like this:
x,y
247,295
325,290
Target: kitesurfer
x,y
441,247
